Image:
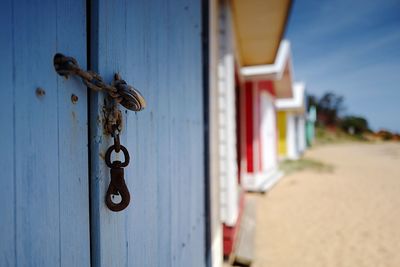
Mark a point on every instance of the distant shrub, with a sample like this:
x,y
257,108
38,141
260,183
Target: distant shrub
x,y
354,125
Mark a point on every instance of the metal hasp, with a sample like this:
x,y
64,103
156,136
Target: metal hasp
x,y
123,93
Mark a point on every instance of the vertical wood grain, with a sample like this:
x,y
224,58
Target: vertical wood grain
x,y
72,139
46,137
7,166
156,46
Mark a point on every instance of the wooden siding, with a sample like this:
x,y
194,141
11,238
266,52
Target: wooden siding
x,y
156,46
213,51
44,211
228,170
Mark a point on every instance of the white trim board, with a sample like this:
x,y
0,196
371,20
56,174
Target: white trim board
x,y
272,71
297,102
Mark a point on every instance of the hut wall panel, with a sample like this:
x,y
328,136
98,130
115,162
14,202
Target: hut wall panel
x,y
44,189
155,46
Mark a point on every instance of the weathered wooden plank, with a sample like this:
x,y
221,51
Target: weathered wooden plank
x,y
72,140
177,131
156,46
46,136
108,229
162,100
142,133
7,167
243,253
36,134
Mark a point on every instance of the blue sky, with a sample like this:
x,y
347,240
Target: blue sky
x,y
351,48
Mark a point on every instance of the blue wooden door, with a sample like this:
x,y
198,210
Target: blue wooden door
x,y
46,185
44,193
155,46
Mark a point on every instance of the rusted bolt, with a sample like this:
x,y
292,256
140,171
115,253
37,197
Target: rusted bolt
x,y
40,92
74,98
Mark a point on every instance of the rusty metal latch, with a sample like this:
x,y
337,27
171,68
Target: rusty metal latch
x,y
126,95
123,94
117,184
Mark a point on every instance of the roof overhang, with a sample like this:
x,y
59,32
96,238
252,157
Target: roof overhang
x,y
259,28
295,104
280,72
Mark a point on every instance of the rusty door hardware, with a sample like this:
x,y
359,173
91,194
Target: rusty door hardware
x,y
123,94
117,184
126,95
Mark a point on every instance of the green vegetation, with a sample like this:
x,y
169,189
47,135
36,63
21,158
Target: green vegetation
x,y
329,107
324,135
354,125
331,125
290,166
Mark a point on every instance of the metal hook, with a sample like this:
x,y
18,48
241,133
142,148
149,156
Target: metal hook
x,y
117,184
117,187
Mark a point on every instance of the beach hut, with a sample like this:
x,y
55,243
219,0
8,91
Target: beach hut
x,y
292,123
249,34
264,85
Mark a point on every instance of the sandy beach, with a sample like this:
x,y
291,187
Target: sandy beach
x,y
349,216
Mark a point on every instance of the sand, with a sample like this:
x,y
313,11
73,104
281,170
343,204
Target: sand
x,y
347,217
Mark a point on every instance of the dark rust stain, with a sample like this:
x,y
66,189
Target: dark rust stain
x,y
40,92
74,99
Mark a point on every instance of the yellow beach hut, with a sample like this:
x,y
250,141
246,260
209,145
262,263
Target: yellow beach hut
x,y
291,115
